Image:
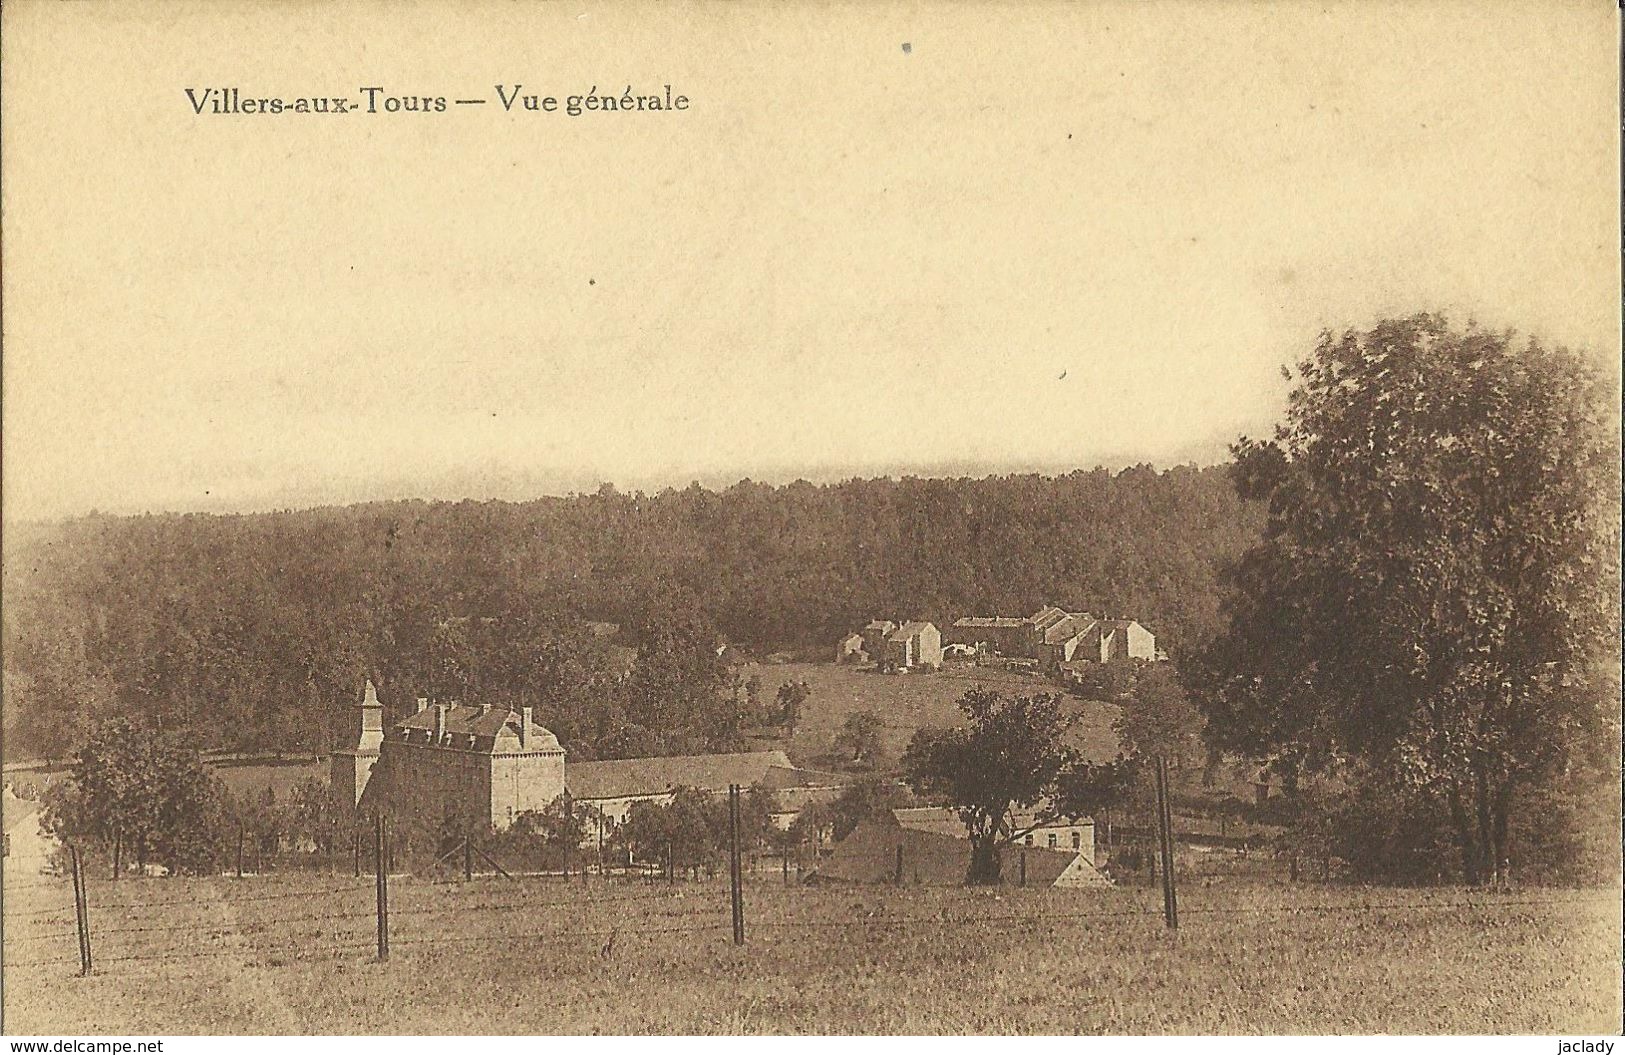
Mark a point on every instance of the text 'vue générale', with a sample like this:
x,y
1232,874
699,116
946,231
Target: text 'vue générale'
x,y
510,98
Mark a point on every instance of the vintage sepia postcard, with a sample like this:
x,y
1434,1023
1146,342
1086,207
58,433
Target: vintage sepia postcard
x,y
810,519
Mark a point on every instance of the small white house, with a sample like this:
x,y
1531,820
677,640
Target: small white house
x,y
28,849
1069,834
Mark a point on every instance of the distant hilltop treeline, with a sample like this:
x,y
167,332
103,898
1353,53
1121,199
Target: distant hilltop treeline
x,y
253,631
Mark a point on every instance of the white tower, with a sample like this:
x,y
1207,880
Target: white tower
x,y
352,766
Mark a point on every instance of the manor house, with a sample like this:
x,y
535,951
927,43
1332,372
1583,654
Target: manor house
x,y
478,765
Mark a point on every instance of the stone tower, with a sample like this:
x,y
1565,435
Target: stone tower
x,y
352,766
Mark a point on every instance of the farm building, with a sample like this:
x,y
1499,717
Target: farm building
x,y
874,637
914,644
850,650
1125,639
1002,634
1074,834
482,765
614,785
881,850
1054,635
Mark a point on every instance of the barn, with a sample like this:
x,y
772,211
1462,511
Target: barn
x,y
880,850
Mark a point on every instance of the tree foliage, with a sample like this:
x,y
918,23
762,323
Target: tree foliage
x,y
856,802
1437,591
1011,755
135,788
252,632
694,827
1158,718
792,696
858,738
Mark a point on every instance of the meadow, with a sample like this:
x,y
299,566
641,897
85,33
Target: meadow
x,y
297,954
907,702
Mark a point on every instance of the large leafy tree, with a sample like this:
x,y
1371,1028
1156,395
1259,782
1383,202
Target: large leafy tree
x,y
1437,588
858,738
856,802
142,796
1156,717
1011,756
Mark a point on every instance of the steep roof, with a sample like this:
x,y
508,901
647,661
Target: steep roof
x,y
626,777
486,722
1072,626
908,630
782,778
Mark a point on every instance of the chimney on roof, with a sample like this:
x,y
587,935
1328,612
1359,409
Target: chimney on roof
x,y
524,726
423,704
440,710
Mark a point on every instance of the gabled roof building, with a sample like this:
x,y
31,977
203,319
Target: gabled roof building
x,y
480,765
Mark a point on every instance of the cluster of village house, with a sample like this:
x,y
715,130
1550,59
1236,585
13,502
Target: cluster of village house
x,y
488,765
1051,636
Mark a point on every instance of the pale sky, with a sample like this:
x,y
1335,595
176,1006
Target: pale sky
x,y
1041,237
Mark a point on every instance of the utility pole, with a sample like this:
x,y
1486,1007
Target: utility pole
x,y
733,839
381,847
1170,904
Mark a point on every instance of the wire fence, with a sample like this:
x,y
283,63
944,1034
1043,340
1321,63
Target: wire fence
x,y
237,918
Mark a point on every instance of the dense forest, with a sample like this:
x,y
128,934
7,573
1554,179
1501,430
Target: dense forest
x,y
254,631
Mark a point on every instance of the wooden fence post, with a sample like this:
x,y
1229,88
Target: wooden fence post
x,y
733,838
81,910
381,847
1170,906
569,831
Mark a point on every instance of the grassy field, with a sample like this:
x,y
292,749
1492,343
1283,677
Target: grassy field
x,y
296,954
907,702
